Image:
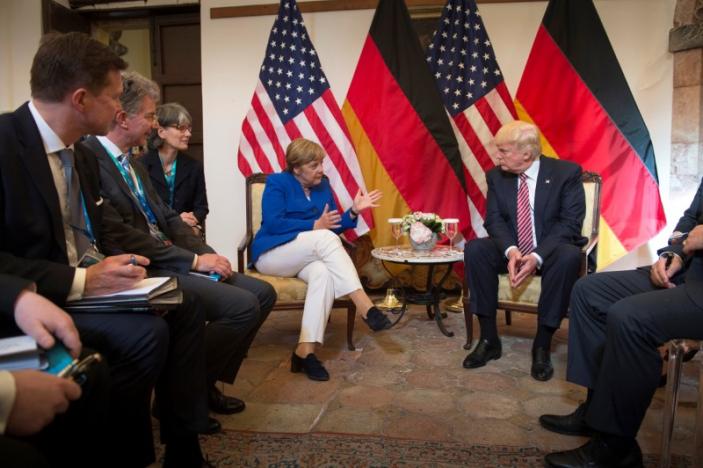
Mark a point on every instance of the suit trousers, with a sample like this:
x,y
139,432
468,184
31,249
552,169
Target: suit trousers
x,y
484,262
617,322
318,258
235,309
143,351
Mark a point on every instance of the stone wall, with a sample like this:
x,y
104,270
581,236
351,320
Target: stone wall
x,y
686,43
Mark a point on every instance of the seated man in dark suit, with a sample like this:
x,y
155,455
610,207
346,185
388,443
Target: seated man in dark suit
x,y
51,215
534,215
617,322
235,307
42,414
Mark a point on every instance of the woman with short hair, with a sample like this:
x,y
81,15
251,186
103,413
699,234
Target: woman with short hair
x,y
178,178
299,237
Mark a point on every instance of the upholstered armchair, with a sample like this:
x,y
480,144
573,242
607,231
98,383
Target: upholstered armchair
x,y
291,291
525,297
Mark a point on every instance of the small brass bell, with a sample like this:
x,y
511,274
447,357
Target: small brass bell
x,y
390,302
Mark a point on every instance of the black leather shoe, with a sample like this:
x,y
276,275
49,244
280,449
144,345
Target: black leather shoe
x,y
312,367
376,320
595,453
570,424
541,365
482,353
223,404
213,427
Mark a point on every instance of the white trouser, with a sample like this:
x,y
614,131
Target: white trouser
x,y
318,258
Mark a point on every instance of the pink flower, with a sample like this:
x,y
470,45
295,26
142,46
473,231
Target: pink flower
x,y
419,232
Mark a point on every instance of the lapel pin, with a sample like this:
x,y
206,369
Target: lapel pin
x,y
547,181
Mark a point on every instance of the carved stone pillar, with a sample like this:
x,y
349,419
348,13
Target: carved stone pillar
x,y
686,43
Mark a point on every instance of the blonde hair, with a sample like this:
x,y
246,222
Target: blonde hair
x,y
302,151
524,135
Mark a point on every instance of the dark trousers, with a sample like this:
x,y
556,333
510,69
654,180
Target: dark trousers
x,y
617,322
234,310
141,350
484,262
74,438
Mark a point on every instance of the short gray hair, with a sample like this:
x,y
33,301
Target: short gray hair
x,y
169,114
135,88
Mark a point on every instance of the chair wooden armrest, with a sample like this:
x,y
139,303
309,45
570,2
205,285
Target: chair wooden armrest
x,y
241,251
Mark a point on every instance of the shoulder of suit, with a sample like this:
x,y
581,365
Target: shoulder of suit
x,y
560,163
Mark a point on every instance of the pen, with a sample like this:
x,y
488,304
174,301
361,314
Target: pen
x,y
133,260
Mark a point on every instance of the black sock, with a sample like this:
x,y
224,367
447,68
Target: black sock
x,y
543,339
489,330
183,450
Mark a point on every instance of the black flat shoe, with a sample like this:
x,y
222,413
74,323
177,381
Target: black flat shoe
x,y
376,320
312,367
213,427
223,404
542,368
595,453
482,353
570,424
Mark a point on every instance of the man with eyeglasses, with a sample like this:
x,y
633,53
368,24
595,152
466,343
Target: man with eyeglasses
x,y
235,305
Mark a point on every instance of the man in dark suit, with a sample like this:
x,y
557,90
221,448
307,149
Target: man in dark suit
x,y
51,214
535,211
616,324
41,414
235,307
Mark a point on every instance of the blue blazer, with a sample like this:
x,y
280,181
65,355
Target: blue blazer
x,y
286,212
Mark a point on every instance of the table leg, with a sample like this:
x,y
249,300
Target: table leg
x,y
436,290
403,308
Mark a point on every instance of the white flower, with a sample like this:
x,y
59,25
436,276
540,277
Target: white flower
x,y
419,232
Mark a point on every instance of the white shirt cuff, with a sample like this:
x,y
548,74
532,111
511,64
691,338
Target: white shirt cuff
x,y
539,259
78,286
507,251
7,398
195,262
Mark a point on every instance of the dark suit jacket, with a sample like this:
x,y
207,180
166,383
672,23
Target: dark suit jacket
x,y
10,289
693,266
190,193
560,206
177,257
32,241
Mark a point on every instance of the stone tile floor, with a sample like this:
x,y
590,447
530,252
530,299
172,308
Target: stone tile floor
x,y
408,382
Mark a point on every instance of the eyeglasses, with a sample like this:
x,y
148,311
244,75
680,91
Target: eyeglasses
x,y
182,128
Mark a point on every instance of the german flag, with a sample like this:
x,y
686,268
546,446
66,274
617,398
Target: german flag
x,y
399,128
574,90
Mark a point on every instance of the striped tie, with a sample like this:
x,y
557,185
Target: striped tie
x,y
524,217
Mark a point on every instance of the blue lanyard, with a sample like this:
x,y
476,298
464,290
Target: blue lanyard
x,y
171,183
88,231
137,191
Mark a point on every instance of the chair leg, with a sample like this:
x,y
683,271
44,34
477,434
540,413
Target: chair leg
x,y
469,321
508,317
351,318
698,453
671,399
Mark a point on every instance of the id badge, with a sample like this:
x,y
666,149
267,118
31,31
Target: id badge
x,y
90,257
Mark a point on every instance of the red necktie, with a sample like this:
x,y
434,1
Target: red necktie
x,y
524,217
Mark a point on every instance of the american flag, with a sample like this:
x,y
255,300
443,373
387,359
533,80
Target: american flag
x,y
474,94
293,99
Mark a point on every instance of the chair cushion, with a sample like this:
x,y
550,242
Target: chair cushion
x,y
528,292
288,289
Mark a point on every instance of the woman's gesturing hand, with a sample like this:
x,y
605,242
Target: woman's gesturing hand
x,y
365,200
328,220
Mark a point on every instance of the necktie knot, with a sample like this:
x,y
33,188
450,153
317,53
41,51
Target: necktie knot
x,y
523,177
123,159
66,156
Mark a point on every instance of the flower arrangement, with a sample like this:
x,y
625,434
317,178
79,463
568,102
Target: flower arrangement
x,y
421,226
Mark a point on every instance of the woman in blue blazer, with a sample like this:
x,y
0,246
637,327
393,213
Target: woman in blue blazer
x,y
299,237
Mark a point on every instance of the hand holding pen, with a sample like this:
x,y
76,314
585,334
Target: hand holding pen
x,y
115,274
